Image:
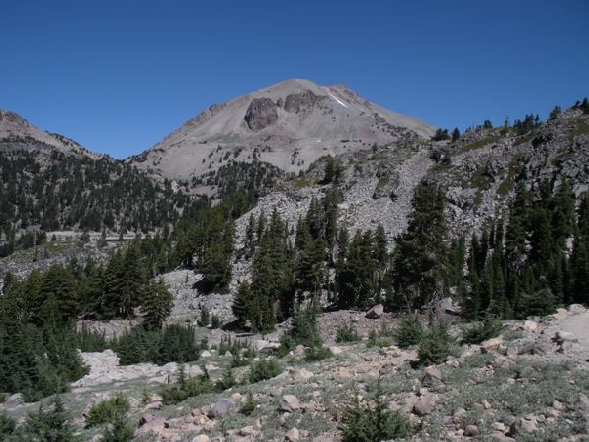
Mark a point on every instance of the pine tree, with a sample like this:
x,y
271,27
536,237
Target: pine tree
x,y
156,305
419,259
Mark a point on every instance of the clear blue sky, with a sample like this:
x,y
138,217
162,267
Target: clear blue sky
x,y
119,75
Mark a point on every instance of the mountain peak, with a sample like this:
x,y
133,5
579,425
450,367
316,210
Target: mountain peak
x,y
288,124
17,132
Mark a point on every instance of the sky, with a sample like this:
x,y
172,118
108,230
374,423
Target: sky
x,y
118,75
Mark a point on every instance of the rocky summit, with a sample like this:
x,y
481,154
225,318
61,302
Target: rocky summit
x,y
288,125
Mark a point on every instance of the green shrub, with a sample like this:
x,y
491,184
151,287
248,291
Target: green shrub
x,y
264,369
346,333
106,411
91,341
317,354
119,430
361,422
481,331
380,338
249,405
178,344
409,332
187,387
174,343
48,425
239,361
215,321
7,426
226,382
435,345
304,331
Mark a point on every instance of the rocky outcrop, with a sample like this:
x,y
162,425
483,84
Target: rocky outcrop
x,y
303,100
261,113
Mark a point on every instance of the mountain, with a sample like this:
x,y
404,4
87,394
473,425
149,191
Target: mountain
x,y
50,182
288,125
18,133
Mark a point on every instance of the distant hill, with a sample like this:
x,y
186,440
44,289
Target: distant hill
x,y
50,182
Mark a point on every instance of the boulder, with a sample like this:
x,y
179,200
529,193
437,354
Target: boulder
x,y
576,309
289,403
302,375
246,431
523,426
423,407
491,344
201,438
530,326
375,312
292,435
564,336
221,408
432,373
471,431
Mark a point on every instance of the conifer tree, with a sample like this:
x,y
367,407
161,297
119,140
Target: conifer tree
x,y
156,305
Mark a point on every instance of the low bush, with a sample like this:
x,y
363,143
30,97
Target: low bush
x,y
187,387
51,424
91,341
7,426
304,331
409,332
435,344
347,333
317,354
107,411
249,405
362,422
226,382
481,331
381,338
264,369
119,430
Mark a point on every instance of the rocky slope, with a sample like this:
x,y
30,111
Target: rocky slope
x,y
529,383
289,125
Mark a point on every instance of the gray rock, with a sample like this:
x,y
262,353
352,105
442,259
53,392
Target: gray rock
x,y
375,312
221,408
261,113
293,435
423,407
471,431
289,403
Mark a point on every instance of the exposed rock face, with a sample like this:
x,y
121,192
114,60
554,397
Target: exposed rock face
x,y
261,113
303,100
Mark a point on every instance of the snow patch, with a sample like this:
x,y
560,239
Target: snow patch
x,y
340,102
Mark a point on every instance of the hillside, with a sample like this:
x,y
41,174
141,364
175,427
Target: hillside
x,y
288,125
51,183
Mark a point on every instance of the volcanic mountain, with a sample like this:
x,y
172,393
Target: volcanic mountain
x,y
289,125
